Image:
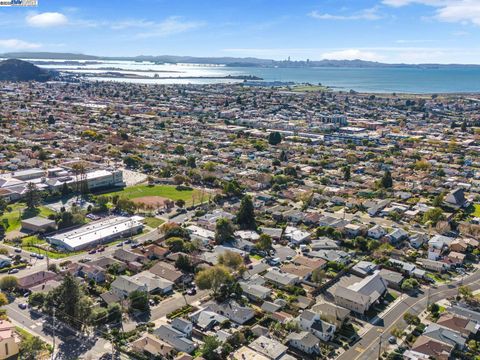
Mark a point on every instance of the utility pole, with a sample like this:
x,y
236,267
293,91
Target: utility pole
x,y
380,347
53,328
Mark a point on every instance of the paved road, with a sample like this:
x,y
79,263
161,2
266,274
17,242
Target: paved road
x,y
368,347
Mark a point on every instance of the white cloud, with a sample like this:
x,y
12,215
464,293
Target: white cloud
x,y
47,19
352,54
462,11
15,44
170,26
366,14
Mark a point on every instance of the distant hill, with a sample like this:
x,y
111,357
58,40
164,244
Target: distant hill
x,y
229,61
19,70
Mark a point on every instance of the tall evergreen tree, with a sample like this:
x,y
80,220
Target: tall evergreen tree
x,y
386,181
246,214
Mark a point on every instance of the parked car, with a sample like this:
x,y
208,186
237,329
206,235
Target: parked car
x,y
13,271
392,339
17,250
40,256
93,251
191,291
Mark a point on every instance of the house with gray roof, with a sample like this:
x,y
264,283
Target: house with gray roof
x,y
175,338
304,341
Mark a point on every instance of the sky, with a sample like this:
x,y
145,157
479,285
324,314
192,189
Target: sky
x,y
392,31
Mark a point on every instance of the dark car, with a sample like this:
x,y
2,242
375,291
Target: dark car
x,y
93,251
22,306
191,291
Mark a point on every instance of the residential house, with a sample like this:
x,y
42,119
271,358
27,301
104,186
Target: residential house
x,y
9,340
376,232
279,278
268,347
359,297
151,345
331,313
304,341
432,348
311,321
34,279
456,198
169,272
175,338
123,286
459,324
232,310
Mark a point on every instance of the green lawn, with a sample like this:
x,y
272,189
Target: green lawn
x,y
12,219
476,213
166,191
29,242
153,222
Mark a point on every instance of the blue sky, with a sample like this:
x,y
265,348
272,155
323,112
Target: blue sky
x,y
410,31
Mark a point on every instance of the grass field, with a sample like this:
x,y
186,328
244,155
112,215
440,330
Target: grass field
x,y
29,242
153,222
166,191
12,219
476,213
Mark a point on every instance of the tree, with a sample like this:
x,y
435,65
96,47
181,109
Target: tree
x,y
139,301
51,119
318,275
2,231
224,231
246,214
213,278
31,348
210,345
231,259
433,215
191,162
180,203
232,188
3,206
179,150
3,299
283,156
410,284
183,263
274,138
465,291
8,283
114,313
32,196
346,173
70,302
36,299
386,181
175,244
264,242
411,319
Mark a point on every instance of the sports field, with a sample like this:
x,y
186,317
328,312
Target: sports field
x,y
160,191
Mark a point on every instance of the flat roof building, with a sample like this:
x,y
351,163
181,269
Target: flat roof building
x,y
97,232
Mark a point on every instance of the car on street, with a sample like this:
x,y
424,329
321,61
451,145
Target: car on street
x,y
120,244
392,339
93,251
34,255
17,250
40,257
22,306
191,291
13,271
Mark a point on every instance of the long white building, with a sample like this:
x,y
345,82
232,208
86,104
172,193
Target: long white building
x,y
98,232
